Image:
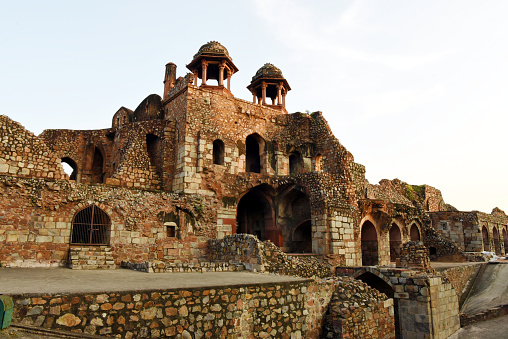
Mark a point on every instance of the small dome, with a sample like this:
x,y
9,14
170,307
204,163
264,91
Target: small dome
x,y
212,47
268,71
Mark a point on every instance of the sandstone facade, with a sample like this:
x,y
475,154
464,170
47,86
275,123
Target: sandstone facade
x,y
199,164
198,180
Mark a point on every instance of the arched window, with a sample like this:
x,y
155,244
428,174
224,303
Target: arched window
x,y
486,240
154,148
70,167
252,153
395,242
91,226
414,233
218,152
497,245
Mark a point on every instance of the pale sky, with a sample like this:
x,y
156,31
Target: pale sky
x,y
415,90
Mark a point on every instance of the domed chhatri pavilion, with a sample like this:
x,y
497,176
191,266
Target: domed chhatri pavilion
x,y
197,164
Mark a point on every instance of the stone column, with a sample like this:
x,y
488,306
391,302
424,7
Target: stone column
x,y
195,78
229,80
221,72
254,97
284,99
279,92
204,65
263,90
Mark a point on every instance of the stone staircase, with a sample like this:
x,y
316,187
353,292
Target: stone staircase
x,y
91,258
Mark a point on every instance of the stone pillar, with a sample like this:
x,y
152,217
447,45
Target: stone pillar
x,y
263,90
204,65
195,78
222,65
229,80
284,99
279,94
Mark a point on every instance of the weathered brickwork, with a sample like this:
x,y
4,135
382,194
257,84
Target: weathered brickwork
x,y
284,310
259,256
93,257
25,155
37,222
174,186
359,311
414,255
473,231
425,303
199,164
460,277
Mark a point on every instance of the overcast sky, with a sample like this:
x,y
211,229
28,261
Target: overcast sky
x,y
415,90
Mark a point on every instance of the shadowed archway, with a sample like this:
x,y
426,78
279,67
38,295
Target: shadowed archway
x,y
486,240
370,248
395,242
414,233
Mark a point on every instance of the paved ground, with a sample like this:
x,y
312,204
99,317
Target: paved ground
x,y
64,280
492,329
21,333
490,290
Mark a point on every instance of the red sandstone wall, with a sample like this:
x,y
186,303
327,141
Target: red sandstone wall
x,y
36,219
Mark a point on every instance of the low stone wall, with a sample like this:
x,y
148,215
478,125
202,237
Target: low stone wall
x,y
442,249
459,277
201,267
425,303
413,254
282,310
468,319
260,256
359,311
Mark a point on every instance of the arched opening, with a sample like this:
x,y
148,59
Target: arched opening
x,y
505,240
295,163
370,255
252,153
395,242
497,245
432,252
91,226
382,286
294,219
414,233
302,238
255,215
97,174
218,152
70,167
155,153
486,240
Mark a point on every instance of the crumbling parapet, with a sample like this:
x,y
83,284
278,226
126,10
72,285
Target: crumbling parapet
x,y
414,254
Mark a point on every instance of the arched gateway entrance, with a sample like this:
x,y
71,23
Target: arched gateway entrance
x,y
281,215
255,215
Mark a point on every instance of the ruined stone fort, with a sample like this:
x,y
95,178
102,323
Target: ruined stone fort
x,y
198,180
